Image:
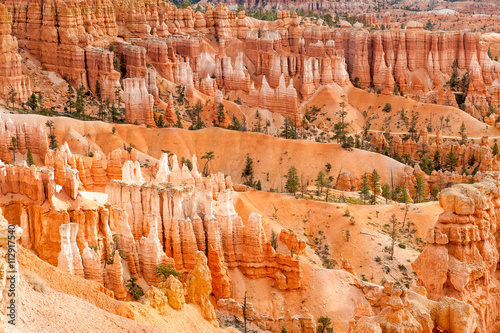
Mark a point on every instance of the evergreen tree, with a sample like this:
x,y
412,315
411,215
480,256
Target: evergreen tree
x,y
11,97
178,124
98,90
80,103
404,197
29,158
247,173
340,127
32,102
287,130
386,192
209,155
292,180
159,121
320,182
437,160
52,136
494,150
426,164
221,115
375,186
257,127
397,193
463,133
420,189
434,192
235,124
472,160
325,324
364,192
451,161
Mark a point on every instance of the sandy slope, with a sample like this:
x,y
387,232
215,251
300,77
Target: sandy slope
x,y
271,155
308,217
428,113
73,304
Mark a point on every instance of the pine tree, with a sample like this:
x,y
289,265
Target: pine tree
x,y
320,182
494,150
11,97
178,124
386,192
247,173
221,115
29,158
52,136
434,192
98,90
426,164
463,133
235,125
340,127
451,161
209,155
375,186
420,189
364,192
32,102
404,197
292,180
287,130
257,127
437,160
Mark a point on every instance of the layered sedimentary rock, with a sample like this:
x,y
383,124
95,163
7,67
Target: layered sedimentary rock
x,y
178,233
36,183
13,84
294,244
199,287
175,292
402,310
300,322
411,61
145,225
283,99
69,258
461,255
138,102
20,137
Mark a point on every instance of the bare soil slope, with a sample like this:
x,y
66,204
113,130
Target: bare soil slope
x,y
368,237
272,156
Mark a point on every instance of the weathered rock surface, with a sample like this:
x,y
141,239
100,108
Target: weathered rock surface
x,y
13,84
199,287
461,255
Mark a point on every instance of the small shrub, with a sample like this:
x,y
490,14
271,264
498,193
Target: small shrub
x,y
347,213
167,271
386,269
401,245
402,267
387,107
377,259
36,282
134,289
353,222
